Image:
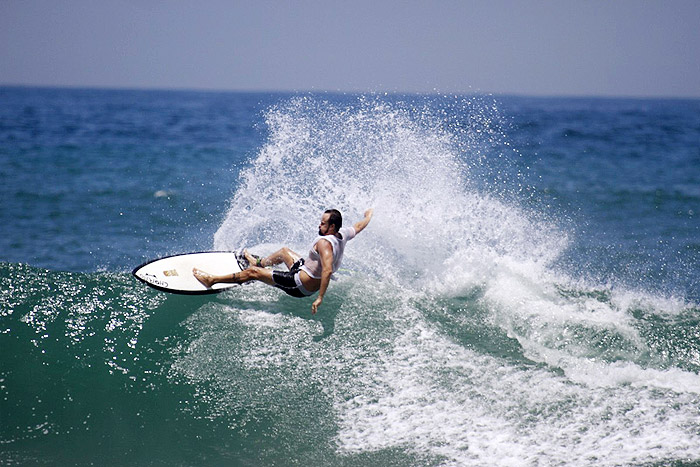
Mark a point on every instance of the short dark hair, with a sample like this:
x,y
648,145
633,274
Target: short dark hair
x,y
335,218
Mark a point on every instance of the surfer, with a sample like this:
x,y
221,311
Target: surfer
x,y
305,276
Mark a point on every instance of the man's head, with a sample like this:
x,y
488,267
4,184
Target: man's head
x,y
331,222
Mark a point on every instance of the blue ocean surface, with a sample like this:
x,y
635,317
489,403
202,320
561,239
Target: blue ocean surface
x,y
527,292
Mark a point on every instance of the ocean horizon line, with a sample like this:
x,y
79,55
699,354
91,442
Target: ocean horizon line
x,y
350,92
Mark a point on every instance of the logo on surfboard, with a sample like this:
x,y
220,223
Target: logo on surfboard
x,y
152,279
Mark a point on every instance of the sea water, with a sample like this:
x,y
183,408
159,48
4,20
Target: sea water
x,y
526,293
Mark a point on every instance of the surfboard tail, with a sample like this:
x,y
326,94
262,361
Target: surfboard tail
x,y
242,261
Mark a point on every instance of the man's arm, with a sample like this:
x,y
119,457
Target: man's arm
x,y
325,251
360,225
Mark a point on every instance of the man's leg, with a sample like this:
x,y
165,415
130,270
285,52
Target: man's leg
x,y
284,255
253,273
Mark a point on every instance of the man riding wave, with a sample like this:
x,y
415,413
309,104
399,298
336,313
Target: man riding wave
x,y
306,275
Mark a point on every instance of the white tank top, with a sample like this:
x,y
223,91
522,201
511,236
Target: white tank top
x,y
312,263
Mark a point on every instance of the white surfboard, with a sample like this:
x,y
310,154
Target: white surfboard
x,y
174,273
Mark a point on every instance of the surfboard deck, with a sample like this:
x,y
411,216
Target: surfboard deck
x,y
173,274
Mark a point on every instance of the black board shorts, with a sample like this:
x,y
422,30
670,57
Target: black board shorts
x,y
290,282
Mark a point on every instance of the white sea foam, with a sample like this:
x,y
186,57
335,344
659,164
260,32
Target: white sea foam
x,y
433,395
583,385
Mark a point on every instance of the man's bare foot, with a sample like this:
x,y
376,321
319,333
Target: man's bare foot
x,y
205,278
252,260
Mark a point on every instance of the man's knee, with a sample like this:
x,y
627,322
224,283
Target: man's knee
x,y
254,273
249,273
290,256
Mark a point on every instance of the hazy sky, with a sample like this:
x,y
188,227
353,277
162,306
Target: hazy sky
x,y
565,47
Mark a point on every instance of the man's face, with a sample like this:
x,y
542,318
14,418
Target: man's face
x,y
324,228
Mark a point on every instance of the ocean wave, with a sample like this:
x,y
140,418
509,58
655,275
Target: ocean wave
x,y
453,336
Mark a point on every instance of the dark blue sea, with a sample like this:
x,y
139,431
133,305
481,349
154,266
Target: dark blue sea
x,y
527,293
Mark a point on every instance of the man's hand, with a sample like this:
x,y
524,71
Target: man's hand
x,y
315,305
360,226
